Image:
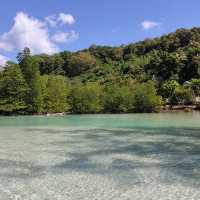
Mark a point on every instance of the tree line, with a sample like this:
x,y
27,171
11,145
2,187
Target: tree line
x,y
139,77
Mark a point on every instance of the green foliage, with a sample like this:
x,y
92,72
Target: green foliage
x,y
163,65
171,57
86,98
106,54
117,99
181,96
57,91
135,68
146,99
13,90
194,84
25,53
79,63
107,79
178,94
51,64
169,87
30,69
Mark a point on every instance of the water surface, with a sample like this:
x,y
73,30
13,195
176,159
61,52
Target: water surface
x,y
100,157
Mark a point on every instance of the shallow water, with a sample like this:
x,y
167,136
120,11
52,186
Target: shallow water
x,y
100,157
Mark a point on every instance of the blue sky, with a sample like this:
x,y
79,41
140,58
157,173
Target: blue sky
x,y
56,25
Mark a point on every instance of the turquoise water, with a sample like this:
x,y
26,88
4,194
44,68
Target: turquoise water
x,y
102,157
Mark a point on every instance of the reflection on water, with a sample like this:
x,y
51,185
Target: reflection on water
x,y
101,161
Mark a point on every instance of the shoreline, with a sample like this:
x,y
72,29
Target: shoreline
x,y
180,108
164,109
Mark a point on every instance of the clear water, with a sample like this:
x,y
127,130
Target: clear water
x,y
100,157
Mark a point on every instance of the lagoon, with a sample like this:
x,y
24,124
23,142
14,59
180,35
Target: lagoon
x,y
100,157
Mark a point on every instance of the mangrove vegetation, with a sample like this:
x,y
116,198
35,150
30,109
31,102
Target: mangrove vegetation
x,y
138,77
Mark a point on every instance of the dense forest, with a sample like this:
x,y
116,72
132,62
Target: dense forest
x,y
138,77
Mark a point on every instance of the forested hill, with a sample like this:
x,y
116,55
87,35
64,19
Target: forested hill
x,y
129,78
174,56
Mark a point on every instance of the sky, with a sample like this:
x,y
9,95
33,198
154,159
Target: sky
x,y
51,26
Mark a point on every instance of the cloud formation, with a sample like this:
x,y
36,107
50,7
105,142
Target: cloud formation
x,y
60,19
3,60
147,24
30,32
51,20
66,19
62,37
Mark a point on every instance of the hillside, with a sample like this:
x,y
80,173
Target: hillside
x,y
129,78
173,56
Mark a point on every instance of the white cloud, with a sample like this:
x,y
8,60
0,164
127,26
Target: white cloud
x,y
39,36
60,19
3,60
51,20
147,24
66,19
28,32
62,37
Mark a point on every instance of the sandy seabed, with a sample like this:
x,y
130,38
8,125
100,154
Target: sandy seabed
x,y
87,186
42,163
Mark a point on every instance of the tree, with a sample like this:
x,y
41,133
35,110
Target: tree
x,y
146,99
135,67
117,99
57,92
53,64
80,62
195,86
86,98
25,53
163,65
13,90
168,88
181,96
30,70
